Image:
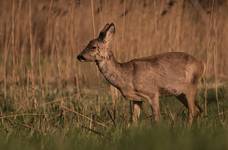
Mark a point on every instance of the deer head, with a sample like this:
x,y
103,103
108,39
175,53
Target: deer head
x,y
98,48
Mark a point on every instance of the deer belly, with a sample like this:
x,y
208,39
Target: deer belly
x,y
131,95
174,90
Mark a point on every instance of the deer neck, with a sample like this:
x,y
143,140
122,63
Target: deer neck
x,y
111,70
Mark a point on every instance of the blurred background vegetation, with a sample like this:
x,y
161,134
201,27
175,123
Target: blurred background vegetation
x,y
45,92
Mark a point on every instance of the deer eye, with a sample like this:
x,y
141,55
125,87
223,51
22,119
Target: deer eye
x,y
94,47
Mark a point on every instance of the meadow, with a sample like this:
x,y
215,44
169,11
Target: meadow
x,y
49,100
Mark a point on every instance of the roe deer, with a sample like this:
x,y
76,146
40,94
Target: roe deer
x,y
144,78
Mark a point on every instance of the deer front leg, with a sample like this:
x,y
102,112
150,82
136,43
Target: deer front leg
x,y
154,102
136,111
153,99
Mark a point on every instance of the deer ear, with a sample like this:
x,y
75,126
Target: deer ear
x,y
105,27
107,33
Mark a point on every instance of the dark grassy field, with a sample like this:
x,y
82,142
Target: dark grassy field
x,y
141,138
88,124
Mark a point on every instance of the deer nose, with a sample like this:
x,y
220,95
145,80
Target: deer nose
x,y
81,57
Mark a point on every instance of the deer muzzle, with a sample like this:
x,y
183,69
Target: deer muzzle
x,y
81,58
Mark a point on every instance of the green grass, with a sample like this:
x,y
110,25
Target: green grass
x,y
142,137
62,120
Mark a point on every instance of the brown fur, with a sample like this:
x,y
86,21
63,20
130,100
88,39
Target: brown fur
x,y
146,78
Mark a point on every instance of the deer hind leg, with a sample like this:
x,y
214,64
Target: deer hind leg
x,y
192,102
136,111
182,98
193,107
198,108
